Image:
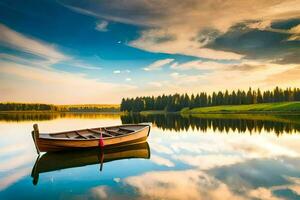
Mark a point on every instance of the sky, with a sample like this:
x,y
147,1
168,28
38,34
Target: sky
x,y
78,52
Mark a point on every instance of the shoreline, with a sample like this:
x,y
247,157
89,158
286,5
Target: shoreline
x,y
224,112
262,108
157,112
291,108
56,112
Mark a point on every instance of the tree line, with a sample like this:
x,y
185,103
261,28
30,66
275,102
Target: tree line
x,y
176,102
57,108
26,107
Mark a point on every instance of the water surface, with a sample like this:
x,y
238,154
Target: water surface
x,y
186,157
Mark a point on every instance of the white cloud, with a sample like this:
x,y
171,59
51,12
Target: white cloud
x,y
81,11
174,74
161,148
206,162
13,39
211,75
207,78
184,47
200,65
83,65
116,71
126,71
100,192
22,60
184,80
102,26
261,25
158,64
175,184
128,79
117,179
16,162
294,32
162,161
49,54
295,29
154,84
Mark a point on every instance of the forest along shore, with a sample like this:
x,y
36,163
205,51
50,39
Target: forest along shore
x,y
281,107
37,107
240,101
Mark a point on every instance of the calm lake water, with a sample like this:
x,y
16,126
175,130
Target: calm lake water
x,y
186,157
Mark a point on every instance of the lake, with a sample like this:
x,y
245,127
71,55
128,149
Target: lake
x,y
210,156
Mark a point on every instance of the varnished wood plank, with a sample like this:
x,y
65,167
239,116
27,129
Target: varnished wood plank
x,y
125,129
111,131
99,132
81,135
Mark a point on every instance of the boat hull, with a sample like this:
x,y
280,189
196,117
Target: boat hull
x,y
47,144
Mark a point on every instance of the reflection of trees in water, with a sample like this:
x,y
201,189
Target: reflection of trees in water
x,y
179,123
17,117
287,124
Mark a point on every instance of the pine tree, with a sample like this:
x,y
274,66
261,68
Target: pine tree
x,y
259,96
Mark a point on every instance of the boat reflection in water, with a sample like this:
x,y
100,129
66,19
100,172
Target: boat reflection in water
x,y
53,161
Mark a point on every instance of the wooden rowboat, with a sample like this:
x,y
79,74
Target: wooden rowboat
x,y
53,161
103,137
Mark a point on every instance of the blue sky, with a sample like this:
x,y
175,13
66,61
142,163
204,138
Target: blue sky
x,y
100,51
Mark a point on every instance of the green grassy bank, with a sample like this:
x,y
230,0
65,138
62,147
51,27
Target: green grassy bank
x,y
252,108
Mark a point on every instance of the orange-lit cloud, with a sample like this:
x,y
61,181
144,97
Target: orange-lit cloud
x,y
158,64
175,184
185,27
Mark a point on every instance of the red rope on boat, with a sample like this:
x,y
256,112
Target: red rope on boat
x,y
101,142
